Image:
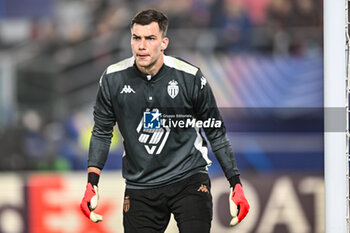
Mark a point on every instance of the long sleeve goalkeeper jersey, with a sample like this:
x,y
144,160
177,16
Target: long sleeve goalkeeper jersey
x,y
161,119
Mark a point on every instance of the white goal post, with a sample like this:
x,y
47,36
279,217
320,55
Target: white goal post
x,y
335,96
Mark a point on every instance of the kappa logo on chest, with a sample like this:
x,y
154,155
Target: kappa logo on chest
x,y
127,89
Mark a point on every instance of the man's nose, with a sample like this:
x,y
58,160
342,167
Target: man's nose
x,y
142,44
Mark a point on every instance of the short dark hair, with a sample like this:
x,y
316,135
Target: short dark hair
x,y
148,16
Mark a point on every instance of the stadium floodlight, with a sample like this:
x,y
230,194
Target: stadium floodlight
x,y
335,96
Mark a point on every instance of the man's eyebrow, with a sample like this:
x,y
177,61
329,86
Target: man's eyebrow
x,y
134,35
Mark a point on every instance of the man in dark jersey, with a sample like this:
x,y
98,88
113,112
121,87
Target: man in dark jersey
x,y
161,104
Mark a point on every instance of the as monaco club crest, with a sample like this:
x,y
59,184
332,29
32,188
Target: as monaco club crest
x,y
173,89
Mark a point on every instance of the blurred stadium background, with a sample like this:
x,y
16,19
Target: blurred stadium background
x,y
263,59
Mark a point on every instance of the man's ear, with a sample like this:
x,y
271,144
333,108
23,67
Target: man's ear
x,y
164,45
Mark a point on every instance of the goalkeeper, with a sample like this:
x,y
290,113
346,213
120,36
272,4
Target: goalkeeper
x,y
165,165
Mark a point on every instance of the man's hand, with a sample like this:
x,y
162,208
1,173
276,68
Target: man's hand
x,y
239,206
90,199
89,203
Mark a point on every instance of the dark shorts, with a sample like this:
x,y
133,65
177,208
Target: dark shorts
x,y
190,200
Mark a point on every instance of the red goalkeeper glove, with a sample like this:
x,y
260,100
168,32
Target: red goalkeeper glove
x,y
90,199
239,205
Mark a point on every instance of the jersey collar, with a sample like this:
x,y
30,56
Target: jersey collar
x,y
163,69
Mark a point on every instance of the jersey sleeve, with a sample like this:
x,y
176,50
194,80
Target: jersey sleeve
x,y
205,108
104,121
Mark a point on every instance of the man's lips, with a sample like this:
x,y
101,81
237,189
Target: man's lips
x,y
142,55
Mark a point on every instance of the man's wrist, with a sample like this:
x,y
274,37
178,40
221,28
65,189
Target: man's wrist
x,y
93,178
234,180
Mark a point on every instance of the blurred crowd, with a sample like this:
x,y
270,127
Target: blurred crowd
x,y
63,49
278,26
